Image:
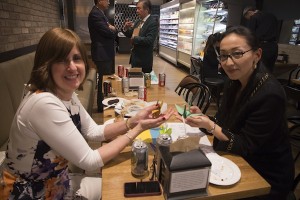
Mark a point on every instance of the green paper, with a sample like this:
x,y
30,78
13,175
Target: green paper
x,y
180,110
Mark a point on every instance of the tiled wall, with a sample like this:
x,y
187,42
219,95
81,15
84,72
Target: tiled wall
x,y
24,22
292,50
123,12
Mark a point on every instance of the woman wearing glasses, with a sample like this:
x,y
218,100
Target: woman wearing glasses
x,y
251,119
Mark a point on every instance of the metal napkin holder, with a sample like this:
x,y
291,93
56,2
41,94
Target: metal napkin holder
x,y
136,79
183,175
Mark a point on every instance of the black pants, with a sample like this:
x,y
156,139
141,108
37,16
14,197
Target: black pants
x,y
103,68
269,54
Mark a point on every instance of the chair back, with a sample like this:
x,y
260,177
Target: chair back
x,y
197,65
199,96
185,84
292,88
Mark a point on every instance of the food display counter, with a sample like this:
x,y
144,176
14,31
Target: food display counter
x,y
168,30
197,20
295,33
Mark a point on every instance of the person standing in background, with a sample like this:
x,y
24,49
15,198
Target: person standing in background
x,y
143,34
103,36
265,26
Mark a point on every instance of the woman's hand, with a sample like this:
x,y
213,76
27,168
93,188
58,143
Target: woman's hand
x,y
198,121
195,110
145,120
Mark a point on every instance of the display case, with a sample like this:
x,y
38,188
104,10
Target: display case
x,y
168,30
186,32
211,18
295,34
197,20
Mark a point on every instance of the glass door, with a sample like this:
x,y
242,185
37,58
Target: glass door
x,y
211,18
186,32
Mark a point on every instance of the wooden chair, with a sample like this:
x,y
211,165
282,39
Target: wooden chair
x,y
200,96
185,84
215,84
194,92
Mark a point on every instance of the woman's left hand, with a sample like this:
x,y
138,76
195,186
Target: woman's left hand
x,y
198,121
145,124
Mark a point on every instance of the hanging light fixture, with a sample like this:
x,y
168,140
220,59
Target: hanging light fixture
x,y
133,4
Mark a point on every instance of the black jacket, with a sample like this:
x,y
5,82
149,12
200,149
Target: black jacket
x,y
256,126
103,39
142,52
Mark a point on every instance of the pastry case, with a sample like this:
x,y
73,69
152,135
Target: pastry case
x,y
168,30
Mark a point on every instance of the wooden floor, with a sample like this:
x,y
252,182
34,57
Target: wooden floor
x,y
173,76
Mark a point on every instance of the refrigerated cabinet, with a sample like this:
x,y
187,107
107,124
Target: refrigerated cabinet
x,y
168,31
197,20
295,35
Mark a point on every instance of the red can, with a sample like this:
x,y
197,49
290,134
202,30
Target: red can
x,y
126,72
107,88
120,71
142,93
162,79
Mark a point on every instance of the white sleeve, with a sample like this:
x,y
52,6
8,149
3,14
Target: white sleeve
x,y
50,120
89,128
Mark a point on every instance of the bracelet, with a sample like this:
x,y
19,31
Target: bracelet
x,y
129,137
213,129
127,125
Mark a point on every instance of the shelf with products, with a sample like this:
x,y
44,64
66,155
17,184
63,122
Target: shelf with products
x,y
186,32
168,30
295,33
211,18
186,27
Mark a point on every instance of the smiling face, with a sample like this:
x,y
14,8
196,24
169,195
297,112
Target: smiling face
x,y
68,74
238,68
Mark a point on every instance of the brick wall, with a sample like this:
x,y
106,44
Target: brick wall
x,y
23,22
292,50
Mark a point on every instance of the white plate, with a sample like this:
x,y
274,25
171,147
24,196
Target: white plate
x,y
136,107
105,101
223,171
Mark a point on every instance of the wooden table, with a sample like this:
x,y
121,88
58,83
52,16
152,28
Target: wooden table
x,y
154,93
118,170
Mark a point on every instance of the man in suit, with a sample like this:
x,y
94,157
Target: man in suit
x,y
265,26
143,34
103,36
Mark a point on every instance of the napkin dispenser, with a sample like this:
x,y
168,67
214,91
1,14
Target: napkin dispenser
x,y
135,80
182,175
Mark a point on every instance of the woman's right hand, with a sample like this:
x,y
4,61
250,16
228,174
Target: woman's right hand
x,y
144,120
195,110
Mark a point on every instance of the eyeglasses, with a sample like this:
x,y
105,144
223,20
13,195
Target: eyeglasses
x,y
233,55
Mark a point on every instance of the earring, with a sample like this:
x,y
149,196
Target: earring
x,y
254,66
